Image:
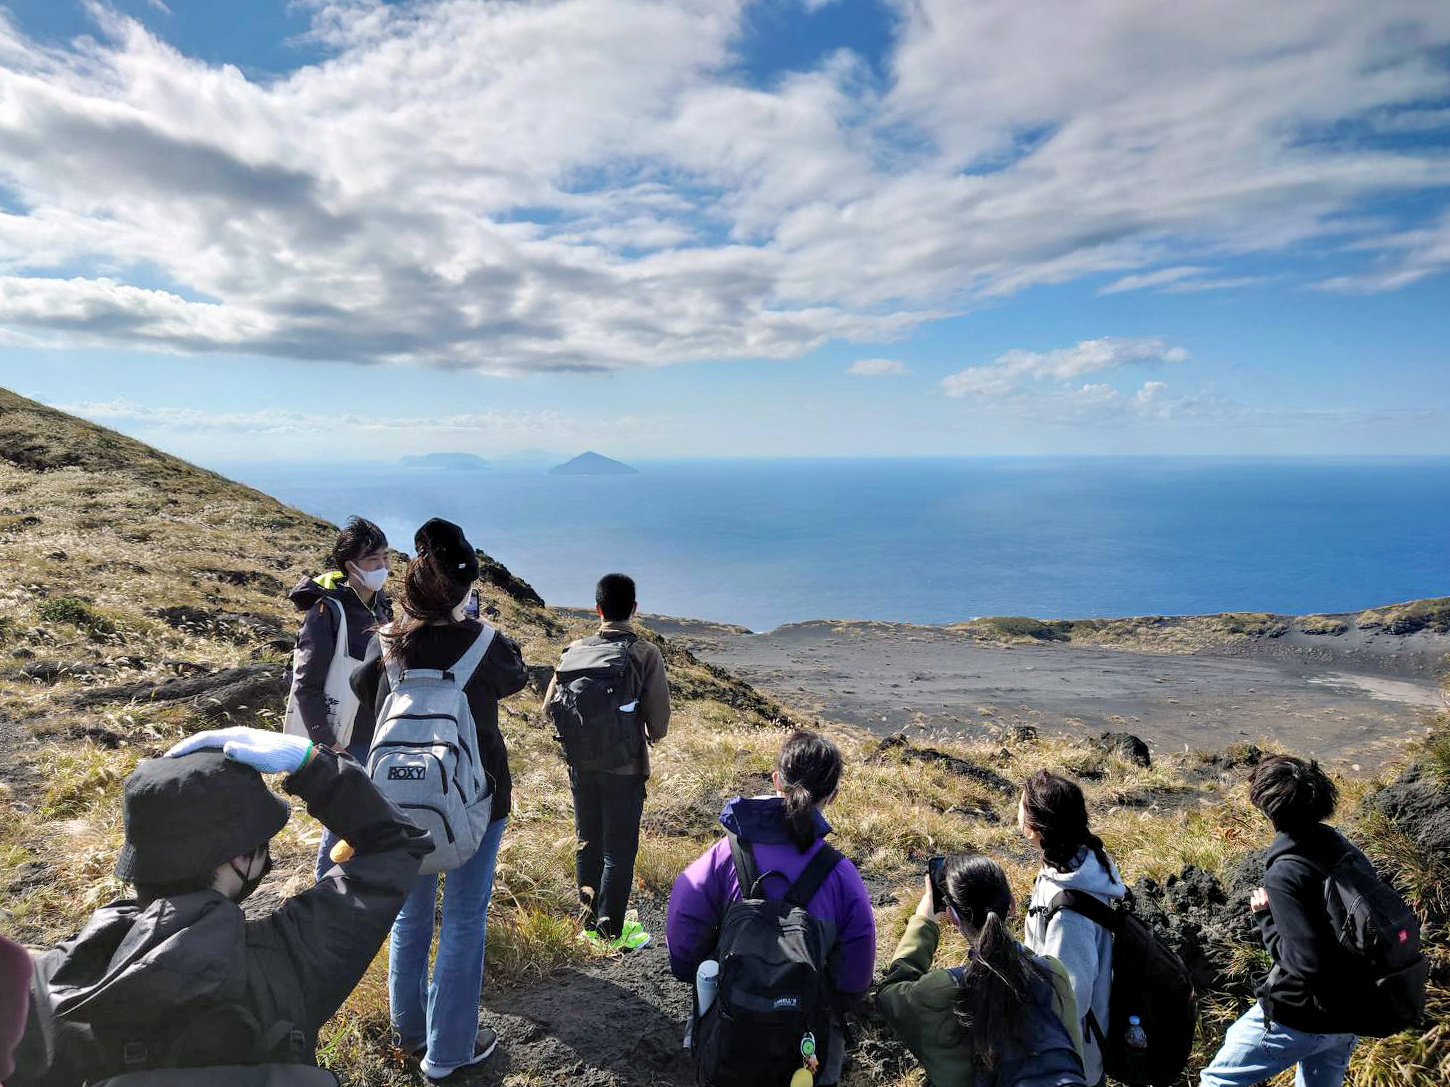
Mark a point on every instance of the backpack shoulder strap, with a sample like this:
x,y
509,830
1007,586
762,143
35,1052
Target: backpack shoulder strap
x,y
1090,906
747,873
473,656
814,876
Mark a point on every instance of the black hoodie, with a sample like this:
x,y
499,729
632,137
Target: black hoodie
x,y
1314,982
317,640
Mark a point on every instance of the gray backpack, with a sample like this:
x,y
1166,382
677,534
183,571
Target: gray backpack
x,y
425,757
595,706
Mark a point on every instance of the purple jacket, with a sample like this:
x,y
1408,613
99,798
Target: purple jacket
x,y
700,895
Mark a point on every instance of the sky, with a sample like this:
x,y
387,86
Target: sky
x,y
348,229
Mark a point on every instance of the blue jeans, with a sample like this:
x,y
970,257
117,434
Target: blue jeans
x,y
359,753
444,1014
1255,1050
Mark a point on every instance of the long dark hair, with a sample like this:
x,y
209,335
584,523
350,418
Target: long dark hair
x,y
1055,808
358,539
429,594
995,998
810,769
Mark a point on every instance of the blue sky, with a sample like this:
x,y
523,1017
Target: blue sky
x,y
282,230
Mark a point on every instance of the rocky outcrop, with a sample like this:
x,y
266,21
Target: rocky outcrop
x,y
898,747
226,693
1126,746
492,572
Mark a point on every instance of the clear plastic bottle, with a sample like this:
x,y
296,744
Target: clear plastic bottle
x,y
1135,1042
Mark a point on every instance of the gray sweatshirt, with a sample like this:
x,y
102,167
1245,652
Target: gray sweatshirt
x,y
1084,949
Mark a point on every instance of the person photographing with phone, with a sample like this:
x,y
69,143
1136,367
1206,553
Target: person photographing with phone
x,y
1007,1016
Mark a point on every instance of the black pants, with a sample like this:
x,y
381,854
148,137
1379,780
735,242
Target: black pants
x,y
607,810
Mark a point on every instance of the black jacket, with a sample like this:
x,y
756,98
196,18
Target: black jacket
x,y
318,638
1314,982
500,674
136,973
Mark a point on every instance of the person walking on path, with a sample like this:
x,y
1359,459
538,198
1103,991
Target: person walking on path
x,y
178,977
1007,1016
347,596
612,704
785,832
1052,813
437,1020
1304,1008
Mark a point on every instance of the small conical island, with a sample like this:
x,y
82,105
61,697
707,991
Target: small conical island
x,y
592,464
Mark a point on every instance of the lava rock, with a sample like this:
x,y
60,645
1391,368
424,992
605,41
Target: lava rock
x,y
1126,746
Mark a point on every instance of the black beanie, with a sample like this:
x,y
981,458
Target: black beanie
x,y
444,542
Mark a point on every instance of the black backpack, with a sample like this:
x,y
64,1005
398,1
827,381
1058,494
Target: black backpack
x,y
775,980
1381,937
595,705
1149,981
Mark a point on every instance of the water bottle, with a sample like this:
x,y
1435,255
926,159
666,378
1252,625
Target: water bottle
x,y
707,984
1135,1051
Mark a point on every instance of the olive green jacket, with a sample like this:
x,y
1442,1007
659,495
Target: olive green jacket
x,y
919,1004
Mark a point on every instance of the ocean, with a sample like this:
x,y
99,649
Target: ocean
x,y
766,542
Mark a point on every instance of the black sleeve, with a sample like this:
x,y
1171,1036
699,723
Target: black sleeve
x,y
311,660
1295,928
502,669
367,677
330,933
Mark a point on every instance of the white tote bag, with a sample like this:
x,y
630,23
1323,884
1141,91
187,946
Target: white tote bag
x,y
337,690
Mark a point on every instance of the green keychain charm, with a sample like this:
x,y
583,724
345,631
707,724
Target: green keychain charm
x,y
805,1076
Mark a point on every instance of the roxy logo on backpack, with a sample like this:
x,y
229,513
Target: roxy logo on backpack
x,y
425,758
595,705
774,991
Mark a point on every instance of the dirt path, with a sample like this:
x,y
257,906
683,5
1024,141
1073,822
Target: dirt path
x,y
1349,703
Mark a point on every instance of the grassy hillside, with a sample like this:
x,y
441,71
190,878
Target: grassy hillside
x,y
146,598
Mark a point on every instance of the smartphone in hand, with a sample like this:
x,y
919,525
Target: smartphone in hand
x,y
470,607
934,868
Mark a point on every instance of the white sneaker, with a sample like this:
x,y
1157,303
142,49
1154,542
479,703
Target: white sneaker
x,y
483,1047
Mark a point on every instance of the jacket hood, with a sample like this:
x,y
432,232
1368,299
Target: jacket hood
x,y
138,965
334,584
761,820
1089,875
1320,843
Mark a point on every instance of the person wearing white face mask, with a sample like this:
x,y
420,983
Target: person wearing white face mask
x,y
343,607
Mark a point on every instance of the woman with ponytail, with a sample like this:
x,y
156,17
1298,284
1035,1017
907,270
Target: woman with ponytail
x,y
436,1019
785,831
1006,1017
1053,815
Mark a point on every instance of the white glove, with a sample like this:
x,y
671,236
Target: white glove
x,y
262,750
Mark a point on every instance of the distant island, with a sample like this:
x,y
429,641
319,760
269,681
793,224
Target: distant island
x,y
453,461
592,464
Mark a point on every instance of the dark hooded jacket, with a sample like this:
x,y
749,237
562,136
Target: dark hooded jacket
x,y
1314,985
192,971
317,640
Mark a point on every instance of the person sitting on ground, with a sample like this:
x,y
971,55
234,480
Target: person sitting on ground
x,y
438,1022
1052,813
784,833
177,976
348,594
1303,1006
1006,1017
614,703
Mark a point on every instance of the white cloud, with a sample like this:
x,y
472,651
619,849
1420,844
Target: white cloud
x,y
1141,280
878,368
1404,258
596,189
1017,370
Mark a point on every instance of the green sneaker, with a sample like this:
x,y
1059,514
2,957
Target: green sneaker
x,y
594,940
632,936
